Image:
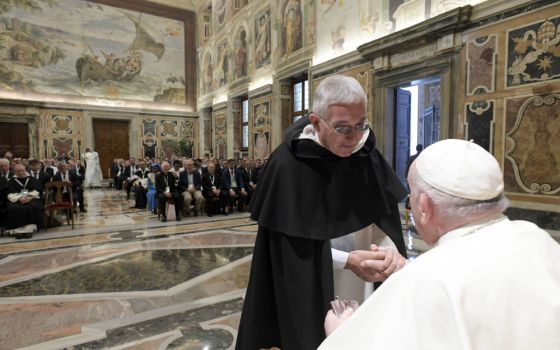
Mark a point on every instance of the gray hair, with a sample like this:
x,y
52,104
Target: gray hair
x,y
337,90
452,208
4,161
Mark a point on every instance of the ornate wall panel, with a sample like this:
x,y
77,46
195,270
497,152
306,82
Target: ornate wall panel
x,y
532,148
160,135
533,53
260,127
220,134
480,123
481,65
60,131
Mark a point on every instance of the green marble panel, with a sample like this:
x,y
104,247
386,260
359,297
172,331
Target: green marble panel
x,y
138,271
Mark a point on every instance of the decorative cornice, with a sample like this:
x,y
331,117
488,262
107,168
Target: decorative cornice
x,y
337,64
263,90
421,34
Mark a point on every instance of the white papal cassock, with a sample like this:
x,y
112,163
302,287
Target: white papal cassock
x,y
486,286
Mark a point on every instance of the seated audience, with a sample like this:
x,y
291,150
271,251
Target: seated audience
x,y
65,173
129,176
165,190
141,186
488,282
38,174
5,170
24,212
151,194
233,186
190,186
212,191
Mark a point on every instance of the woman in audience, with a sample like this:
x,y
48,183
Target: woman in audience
x,y
151,194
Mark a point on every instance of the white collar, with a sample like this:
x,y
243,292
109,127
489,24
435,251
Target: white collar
x,y
470,228
310,134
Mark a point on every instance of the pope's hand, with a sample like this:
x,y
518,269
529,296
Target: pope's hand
x,y
332,321
391,263
358,257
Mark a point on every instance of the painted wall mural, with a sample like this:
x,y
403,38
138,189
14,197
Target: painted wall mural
x,y
352,23
533,53
260,127
208,77
292,25
223,63
240,55
97,50
481,65
532,152
263,46
60,133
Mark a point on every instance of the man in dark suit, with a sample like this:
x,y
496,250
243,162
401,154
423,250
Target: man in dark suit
x,y
256,170
66,173
37,173
49,168
116,171
128,173
232,184
212,191
5,170
165,189
246,170
190,187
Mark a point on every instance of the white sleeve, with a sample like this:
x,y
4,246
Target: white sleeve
x,y
339,258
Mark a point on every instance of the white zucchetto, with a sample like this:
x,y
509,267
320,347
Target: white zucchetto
x,y
462,169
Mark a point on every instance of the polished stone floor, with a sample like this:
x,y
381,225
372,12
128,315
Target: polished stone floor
x,y
123,280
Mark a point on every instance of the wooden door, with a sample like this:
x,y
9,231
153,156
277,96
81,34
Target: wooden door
x,y
402,132
111,141
14,137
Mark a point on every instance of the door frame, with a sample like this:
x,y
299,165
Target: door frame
x,y
32,128
385,82
133,128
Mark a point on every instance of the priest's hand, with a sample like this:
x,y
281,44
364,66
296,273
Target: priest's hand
x,y
356,263
391,263
332,321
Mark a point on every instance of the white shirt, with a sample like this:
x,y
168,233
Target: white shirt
x,y
493,285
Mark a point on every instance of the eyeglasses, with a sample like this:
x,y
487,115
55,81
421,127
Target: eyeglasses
x,y
348,130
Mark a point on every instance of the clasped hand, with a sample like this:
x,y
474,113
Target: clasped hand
x,y
375,265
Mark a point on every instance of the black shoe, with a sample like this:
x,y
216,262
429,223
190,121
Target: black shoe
x,y
28,235
195,213
210,215
178,217
83,210
163,219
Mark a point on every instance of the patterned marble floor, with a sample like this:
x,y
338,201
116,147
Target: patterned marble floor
x,y
123,280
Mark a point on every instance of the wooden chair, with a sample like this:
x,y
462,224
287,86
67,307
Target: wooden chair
x,y
54,200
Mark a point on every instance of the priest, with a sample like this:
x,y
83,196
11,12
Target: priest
x,y
24,207
326,180
487,283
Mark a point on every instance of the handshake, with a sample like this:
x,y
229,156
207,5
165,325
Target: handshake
x,y
376,264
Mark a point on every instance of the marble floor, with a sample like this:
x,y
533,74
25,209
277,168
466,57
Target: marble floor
x,y
123,280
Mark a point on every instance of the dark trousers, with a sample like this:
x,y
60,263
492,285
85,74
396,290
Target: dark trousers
x,y
215,204
128,188
118,182
177,201
240,199
140,199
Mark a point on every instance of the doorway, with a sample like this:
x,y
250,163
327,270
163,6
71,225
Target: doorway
x,y
417,120
14,137
111,141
